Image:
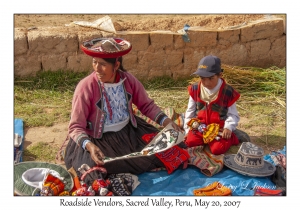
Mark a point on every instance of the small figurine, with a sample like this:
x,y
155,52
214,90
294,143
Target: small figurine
x,y
101,186
93,181
52,186
194,123
84,191
209,132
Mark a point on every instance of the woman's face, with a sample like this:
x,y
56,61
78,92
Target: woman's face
x,y
210,82
105,71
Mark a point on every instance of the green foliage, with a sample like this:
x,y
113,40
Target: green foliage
x,y
59,81
41,151
46,98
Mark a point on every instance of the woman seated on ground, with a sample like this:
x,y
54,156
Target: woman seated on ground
x,y
102,121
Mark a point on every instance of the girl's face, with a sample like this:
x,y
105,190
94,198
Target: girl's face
x,y
105,71
210,82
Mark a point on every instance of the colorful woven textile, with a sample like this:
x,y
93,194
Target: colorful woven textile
x,y
267,192
52,186
173,158
213,189
278,159
202,158
131,179
170,112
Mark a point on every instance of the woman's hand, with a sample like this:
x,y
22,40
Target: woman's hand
x,y
226,133
174,125
96,154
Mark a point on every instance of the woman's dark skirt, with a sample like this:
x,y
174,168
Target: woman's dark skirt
x,y
115,144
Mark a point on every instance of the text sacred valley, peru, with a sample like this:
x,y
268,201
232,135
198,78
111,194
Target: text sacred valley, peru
x,y
130,202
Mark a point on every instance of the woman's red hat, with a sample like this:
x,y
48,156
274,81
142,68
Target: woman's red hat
x,y
106,47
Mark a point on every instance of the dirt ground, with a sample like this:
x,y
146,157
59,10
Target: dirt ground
x,y
56,134
135,22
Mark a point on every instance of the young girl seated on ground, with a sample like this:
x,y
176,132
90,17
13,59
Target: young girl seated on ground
x,y
211,116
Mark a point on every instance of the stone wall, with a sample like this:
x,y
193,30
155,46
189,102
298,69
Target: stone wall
x,y
157,53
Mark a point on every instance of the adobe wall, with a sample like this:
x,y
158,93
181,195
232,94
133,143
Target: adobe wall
x,y
157,53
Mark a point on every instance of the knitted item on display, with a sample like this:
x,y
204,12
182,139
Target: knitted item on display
x,y
178,118
52,186
119,187
213,189
202,158
267,192
249,161
172,158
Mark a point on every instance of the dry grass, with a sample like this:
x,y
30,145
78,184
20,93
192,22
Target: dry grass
x,y
262,105
46,99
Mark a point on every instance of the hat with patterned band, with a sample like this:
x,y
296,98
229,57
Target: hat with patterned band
x,y
106,47
249,161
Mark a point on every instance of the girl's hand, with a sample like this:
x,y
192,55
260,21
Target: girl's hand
x,y
226,133
96,154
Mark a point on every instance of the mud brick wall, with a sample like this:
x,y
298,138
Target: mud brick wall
x,y
157,53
